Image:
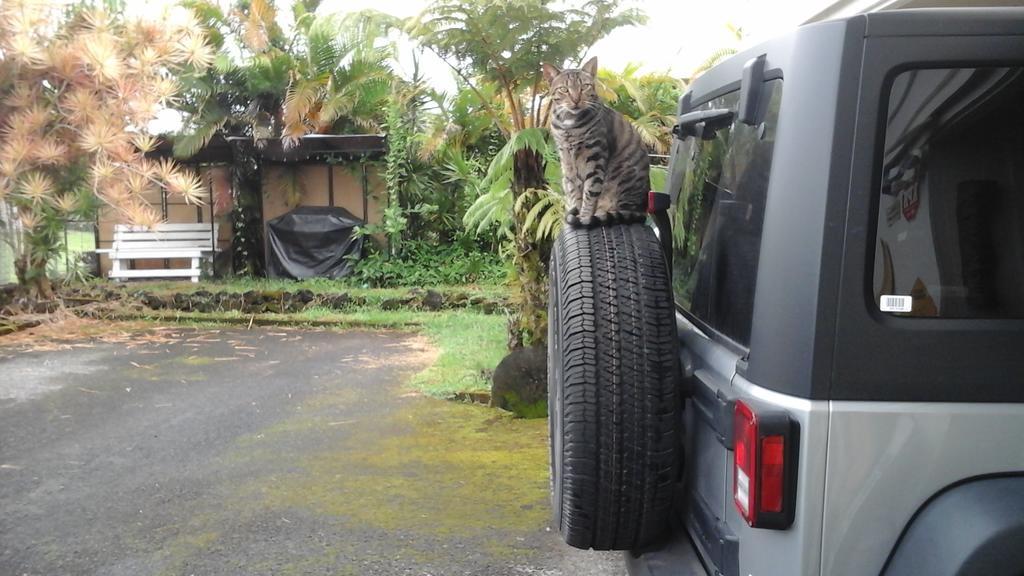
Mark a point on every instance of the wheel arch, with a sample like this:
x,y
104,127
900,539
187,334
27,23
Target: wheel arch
x,y
972,527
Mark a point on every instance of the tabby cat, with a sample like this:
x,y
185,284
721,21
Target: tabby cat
x,y
605,168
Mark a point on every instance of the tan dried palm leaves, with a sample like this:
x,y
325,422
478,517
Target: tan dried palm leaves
x,y
193,49
101,136
164,168
36,187
22,96
144,142
165,89
188,185
66,203
141,214
103,171
100,54
80,105
50,152
255,36
23,48
137,183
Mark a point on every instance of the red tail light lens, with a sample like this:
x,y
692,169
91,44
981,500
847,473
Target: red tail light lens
x,y
773,456
764,462
744,478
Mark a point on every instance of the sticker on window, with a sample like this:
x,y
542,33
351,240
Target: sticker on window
x,y
891,303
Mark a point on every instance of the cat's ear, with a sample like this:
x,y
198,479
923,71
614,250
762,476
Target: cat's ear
x,y
591,67
549,71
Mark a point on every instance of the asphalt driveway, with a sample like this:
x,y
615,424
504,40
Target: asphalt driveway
x,y
264,452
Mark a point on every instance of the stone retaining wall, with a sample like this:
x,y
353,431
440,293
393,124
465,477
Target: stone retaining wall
x,y
283,301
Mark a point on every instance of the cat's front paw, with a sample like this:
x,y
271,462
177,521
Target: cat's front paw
x,y
572,219
588,221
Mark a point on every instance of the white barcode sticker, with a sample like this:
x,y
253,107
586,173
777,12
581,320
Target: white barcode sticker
x,y
890,303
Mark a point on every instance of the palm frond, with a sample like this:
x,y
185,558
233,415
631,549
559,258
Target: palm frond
x,y
493,208
191,142
712,60
544,218
652,133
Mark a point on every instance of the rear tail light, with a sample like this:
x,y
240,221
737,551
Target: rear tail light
x,y
764,465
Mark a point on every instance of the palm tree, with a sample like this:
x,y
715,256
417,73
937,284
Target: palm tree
x,y
341,79
241,95
329,74
648,101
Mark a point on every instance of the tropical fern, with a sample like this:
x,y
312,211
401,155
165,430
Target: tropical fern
x,y
544,219
537,206
493,209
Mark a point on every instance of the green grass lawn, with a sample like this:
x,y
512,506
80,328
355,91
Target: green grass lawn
x,y
469,343
6,264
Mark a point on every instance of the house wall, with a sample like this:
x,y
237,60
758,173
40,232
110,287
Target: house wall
x,y
348,194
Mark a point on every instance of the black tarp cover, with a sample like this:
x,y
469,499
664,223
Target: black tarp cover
x,y
312,242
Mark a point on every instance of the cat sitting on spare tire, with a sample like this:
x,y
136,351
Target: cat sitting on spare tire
x,y
613,368
605,168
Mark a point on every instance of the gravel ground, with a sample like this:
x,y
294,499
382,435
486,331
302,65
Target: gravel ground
x,y
264,452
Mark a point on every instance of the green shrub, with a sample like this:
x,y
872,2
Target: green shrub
x,y
421,263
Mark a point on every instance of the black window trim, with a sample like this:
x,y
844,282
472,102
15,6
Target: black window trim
x,y
941,362
917,323
715,335
726,89
712,333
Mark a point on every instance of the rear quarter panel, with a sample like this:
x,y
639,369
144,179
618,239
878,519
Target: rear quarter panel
x,y
795,551
886,459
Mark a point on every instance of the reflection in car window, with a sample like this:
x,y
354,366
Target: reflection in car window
x,y
950,206
718,217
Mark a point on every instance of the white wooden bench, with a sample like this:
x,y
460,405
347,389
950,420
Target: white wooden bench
x,y
193,242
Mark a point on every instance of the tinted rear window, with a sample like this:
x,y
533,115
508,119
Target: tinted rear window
x,y
718,216
949,239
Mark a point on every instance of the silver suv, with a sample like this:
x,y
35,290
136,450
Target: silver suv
x,y
847,264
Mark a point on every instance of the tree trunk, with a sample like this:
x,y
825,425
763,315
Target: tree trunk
x,y
528,327
31,273
247,213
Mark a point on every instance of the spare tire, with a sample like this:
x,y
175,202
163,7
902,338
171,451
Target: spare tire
x,y
614,401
